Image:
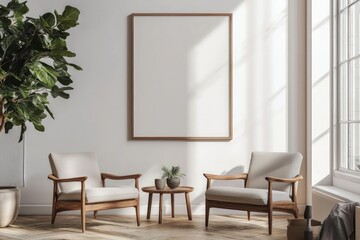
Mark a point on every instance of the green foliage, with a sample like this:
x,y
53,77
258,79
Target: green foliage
x,y
173,172
33,63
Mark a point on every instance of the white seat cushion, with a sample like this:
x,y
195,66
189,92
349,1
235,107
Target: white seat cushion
x,y
102,194
244,195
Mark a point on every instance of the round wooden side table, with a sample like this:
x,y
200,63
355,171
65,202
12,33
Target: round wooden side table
x,y
181,189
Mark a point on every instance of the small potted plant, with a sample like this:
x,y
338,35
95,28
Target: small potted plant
x,y
172,176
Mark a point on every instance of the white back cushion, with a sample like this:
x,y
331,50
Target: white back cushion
x,y
274,164
70,165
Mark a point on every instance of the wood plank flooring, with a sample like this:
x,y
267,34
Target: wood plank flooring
x,y
124,227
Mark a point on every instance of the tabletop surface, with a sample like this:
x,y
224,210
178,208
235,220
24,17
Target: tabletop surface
x,y
180,189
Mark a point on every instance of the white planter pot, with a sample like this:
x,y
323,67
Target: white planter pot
x,y
9,205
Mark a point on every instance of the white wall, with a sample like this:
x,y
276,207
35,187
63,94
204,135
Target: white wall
x,y
320,87
11,159
95,117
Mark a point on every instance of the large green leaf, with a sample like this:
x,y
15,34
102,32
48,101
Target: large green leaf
x,y
4,11
58,44
45,74
68,18
60,34
50,113
42,98
36,56
65,80
24,93
49,19
75,66
7,41
38,103
17,7
51,43
56,91
8,126
22,112
4,22
60,66
62,53
18,20
45,41
39,127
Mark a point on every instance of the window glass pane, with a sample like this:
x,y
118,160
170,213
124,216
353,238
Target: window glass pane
x,y
344,145
348,84
354,89
354,147
344,96
343,35
354,29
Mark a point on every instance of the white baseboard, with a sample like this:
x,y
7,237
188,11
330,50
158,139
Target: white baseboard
x,y
179,210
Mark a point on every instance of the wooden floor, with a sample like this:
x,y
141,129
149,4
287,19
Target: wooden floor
x,y
124,227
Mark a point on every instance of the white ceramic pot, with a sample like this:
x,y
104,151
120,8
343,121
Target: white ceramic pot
x,y
9,205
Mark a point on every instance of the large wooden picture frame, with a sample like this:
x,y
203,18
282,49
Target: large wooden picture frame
x,y
181,76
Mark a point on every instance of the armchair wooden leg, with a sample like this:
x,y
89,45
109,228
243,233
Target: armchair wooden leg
x,y
296,213
53,217
137,210
270,221
83,218
95,214
207,211
54,212
249,215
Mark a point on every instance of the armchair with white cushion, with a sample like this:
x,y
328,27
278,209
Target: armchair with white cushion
x,y
270,185
79,185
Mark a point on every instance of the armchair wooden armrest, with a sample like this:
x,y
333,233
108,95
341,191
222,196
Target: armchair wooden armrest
x,y
116,177
136,177
58,180
225,177
284,180
291,181
210,177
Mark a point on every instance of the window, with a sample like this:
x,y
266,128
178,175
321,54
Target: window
x,y
348,84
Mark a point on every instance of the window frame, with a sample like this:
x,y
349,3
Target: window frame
x,y
336,91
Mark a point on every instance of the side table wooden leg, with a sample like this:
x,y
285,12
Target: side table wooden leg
x,y
160,207
149,206
188,205
172,206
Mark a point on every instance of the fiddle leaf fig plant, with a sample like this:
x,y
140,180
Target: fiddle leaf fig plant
x,y
33,64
